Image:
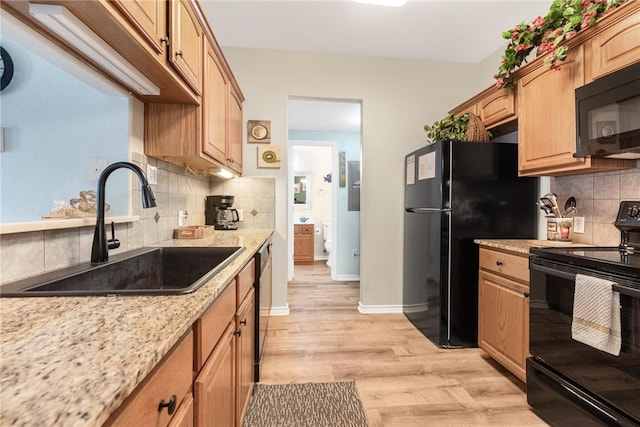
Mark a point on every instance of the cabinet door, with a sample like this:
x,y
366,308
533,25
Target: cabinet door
x,y
503,321
187,43
245,328
235,132
615,47
303,245
214,388
215,100
546,122
150,19
497,107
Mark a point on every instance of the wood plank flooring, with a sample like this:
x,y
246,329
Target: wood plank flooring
x,y
403,379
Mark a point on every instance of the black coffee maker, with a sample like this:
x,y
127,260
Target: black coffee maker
x,y
219,212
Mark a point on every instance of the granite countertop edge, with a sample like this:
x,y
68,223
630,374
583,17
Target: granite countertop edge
x,y
522,246
72,361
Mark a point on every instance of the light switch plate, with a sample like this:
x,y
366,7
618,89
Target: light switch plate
x,y
96,166
152,175
578,224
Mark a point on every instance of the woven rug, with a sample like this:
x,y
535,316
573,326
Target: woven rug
x,y
335,404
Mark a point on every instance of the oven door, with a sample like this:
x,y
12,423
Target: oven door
x,y
613,379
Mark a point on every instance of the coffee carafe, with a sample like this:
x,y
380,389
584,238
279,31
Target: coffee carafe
x,y
220,214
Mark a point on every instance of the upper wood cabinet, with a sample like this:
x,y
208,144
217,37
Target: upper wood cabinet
x,y
234,148
149,17
186,43
494,107
215,111
616,45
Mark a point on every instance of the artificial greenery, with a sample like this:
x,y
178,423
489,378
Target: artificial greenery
x,y
450,128
564,19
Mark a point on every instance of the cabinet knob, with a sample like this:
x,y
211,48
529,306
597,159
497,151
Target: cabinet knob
x,y
165,40
237,333
179,53
243,322
526,294
498,263
171,405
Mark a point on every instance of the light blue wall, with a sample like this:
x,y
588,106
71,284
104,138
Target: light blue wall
x,y
53,124
348,223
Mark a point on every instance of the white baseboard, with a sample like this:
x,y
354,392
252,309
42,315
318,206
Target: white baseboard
x,y
348,278
379,309
321,258
280,311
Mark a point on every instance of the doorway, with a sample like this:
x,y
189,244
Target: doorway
x,y
324,152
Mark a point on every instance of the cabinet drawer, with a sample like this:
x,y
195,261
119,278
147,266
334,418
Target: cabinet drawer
x,y
171,378
211,325
303,228
511,265
245,280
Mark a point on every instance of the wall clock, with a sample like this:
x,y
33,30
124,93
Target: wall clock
x,y
6,68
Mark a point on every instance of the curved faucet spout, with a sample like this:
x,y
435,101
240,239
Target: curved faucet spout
x,y
99,249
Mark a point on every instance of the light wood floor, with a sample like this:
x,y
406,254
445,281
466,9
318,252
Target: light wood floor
x,y
403,379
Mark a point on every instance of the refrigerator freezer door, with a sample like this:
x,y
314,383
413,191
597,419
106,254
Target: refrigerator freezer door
x,y
425,285
425,186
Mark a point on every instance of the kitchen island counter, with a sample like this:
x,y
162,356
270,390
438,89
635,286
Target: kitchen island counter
x,y
72,361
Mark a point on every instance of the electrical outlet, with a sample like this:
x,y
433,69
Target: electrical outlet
x,y
152,175
578,224
180,218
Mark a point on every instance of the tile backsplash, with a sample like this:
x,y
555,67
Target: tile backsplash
x,y
255,196
598,197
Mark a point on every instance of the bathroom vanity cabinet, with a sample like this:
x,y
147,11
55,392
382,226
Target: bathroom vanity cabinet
x,y
303,244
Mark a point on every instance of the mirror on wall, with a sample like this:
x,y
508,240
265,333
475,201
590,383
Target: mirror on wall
x,y
301,190
59,119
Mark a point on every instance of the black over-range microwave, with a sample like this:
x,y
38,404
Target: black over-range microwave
x,y
608,115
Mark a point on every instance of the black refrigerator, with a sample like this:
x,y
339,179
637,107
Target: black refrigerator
x,y
456,192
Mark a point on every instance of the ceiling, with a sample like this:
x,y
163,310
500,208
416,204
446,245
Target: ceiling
x,y
450,30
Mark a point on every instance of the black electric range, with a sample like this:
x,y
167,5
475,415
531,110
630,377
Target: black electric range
x,y
570,383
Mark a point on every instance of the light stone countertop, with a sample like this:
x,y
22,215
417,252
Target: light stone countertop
x,y
71,361
523,245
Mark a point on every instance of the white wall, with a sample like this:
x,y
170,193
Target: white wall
x,y
398,98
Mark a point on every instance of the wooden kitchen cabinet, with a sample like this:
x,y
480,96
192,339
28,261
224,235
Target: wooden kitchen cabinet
x,y
170,380
205,136
215,386
503,308
494,107
187,42
245,345
149,18
303,244
184,414
547,121
616,44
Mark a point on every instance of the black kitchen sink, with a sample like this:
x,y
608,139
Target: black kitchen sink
x,y
144,271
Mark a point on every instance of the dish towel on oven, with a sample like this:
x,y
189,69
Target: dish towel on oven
x,y
596,314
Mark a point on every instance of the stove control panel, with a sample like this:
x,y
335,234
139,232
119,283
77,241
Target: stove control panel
x,y
629,216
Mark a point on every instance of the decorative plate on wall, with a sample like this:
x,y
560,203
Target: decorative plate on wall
x,y
259,131
269,156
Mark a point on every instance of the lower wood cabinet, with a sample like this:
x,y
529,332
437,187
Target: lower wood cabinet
x,y
155,401
503,309
303,244
214,387
245,335
184,415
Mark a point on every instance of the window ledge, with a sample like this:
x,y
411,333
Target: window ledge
x,y
57,224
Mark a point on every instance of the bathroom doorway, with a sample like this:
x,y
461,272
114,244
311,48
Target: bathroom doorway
x,y
324,153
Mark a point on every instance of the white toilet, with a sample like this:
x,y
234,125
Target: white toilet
x,y
326,231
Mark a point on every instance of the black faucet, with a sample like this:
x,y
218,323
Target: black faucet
x,y
101,246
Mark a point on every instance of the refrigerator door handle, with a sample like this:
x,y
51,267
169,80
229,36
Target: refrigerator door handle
x,y
426,210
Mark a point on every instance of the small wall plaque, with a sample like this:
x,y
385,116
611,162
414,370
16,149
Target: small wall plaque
x,y
259,131
269,156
